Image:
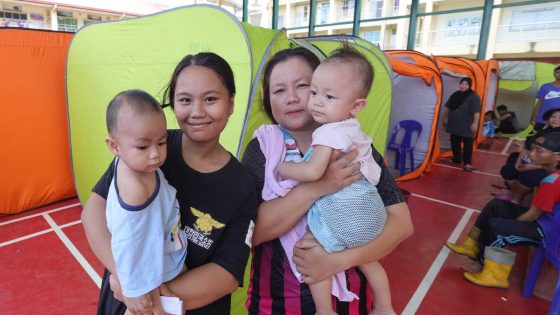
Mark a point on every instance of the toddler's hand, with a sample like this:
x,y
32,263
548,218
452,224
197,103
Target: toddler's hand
x,y
139,305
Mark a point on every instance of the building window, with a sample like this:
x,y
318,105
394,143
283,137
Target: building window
x,y
92,19
348,8
372,36
13,19
13,16
375,9
535,19
324,12
463,26
280,21
302,15
66,21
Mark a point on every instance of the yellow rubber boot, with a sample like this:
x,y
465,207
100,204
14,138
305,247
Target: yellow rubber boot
x,y
469,247
497,267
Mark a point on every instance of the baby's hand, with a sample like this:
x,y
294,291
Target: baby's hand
x,y
157,308
139,305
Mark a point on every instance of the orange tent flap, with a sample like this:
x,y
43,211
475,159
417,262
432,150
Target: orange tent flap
x,y
36,165
410,70
416,64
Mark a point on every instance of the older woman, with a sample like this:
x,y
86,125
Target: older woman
x,y
274,288
460,119
201,94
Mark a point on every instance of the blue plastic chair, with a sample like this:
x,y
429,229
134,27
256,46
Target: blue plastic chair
x,y
406,146
550,249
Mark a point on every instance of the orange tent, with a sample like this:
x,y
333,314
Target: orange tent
x,y
417,95
35,166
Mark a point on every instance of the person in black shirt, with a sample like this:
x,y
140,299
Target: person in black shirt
x,y
507,121
216,194
520,175
460,118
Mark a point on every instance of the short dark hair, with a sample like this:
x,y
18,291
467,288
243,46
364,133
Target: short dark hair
x,y
491,112
138,100
208,60
556,69
299,52
348,54
501,107
549,113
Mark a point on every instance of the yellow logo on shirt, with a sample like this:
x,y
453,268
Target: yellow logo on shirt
x,y
205,223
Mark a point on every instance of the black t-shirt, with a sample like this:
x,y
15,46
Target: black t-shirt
x,y
460,120
217,214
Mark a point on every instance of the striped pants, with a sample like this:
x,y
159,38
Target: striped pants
x,y
499,228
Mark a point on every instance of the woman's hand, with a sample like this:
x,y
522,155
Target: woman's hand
x,y
474,127
116,288
338,174
313,262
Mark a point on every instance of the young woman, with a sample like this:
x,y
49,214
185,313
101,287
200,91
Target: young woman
x,y
201,94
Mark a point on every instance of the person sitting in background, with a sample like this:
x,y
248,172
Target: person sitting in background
x,y
503,223
507,121
488,129
519,173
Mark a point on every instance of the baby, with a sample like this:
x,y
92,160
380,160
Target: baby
x,y
142,212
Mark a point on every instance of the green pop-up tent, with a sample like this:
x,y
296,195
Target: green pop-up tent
x,y
518,87
110,57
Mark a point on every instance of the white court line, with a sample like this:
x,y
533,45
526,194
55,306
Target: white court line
x,y
39,214
458,168
432,273
23,238
26,237
74,251
444,202
508,144
489,152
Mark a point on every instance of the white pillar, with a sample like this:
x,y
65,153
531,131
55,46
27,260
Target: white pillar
x,y
493,31
426,28
332,12
382,37
288,15
54,19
